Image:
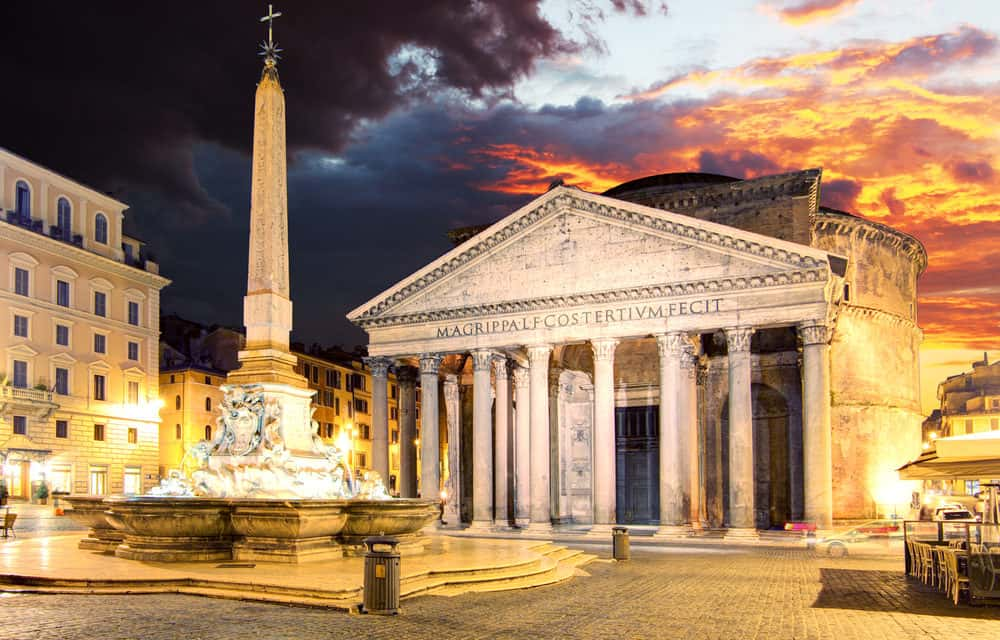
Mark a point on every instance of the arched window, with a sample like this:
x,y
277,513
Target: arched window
x,y
177,431
208,404
177,403
64,219
22,201
101,228
208,432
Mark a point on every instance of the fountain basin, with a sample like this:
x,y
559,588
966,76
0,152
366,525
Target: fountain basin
x,y
89,512
189,529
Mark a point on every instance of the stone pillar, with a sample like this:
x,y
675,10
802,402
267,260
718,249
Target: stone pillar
x,y
482,441
816,439
687,410
540,511
604,434
453,484
502,438
670,347
430,447
522,449
380,415
741,488
407,378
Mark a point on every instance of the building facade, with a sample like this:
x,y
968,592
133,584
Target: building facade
x,y
80,333
970,401
687,350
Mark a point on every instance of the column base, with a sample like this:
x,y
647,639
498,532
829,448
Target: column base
x,y
673,531
522,521
741,534
480,526
541,528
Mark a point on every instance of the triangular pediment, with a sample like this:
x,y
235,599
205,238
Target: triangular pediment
x,y
573,244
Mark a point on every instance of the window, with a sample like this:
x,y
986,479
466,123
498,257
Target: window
x,y
22,200
208,404
395,436
347,382
101,228
98,480
99,432
178,434
327,398
62,293
996,403
133,435
100,304
61,478
20,374
62,381
171,378
365,431
21,281
994,424
20,425
177,403
358,382
968,426
100,343
360,406
64,219
847,293
62,335
133,313
394,390
62,428
208,432
394,413
329,429
133,481
133,350
360,460
99,387
133,392
315,375
331,377
306,370
208,380
336,406
21,326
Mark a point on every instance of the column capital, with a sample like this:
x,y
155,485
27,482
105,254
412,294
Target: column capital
x,y
500,367
814,333
738,339
520,378
539,352
378,365
671,344
406,375
604,348
481,359
430,362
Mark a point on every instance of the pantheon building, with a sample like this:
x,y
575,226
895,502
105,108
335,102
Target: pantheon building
x,y
684,350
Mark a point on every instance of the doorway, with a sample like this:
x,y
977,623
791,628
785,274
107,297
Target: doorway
x,y
637,465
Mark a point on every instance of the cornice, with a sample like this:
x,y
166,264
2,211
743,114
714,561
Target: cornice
x,y
65,250
55,178
846,224
695,231
878,315
723,285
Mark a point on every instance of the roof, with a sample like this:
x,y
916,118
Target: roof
x,y
670,182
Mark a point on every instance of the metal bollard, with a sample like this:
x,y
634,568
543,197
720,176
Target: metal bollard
x,y
620,544
381,595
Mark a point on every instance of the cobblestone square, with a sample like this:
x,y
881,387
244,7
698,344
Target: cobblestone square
x,y
663,592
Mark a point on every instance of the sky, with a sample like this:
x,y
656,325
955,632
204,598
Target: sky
x,y
408,119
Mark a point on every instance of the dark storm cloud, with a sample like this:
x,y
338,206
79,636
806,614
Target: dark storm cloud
x,y
972,171
840,194
736,163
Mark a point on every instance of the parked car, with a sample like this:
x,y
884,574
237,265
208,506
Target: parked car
x,y
875,536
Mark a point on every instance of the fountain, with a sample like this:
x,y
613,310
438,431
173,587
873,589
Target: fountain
x,y
267,487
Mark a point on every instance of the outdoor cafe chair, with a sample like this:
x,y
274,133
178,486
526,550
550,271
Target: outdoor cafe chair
x,y
957,583
8,524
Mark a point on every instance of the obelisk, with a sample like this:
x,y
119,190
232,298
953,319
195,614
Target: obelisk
x,y
267,306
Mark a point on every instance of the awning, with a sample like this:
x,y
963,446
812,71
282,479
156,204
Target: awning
x,y
972,456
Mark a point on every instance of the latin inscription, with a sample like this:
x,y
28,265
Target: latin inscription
x,y
581,318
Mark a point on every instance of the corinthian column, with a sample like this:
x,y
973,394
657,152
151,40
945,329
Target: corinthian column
x,y
688,416
482,441
407,378
379,368
522,449
742,522
540,511
430,449
453,484
816,439
502,430
670,348
604,433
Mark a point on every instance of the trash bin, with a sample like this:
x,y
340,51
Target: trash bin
x,y
381,594
620,544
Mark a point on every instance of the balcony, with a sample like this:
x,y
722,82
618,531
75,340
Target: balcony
x,y
21,401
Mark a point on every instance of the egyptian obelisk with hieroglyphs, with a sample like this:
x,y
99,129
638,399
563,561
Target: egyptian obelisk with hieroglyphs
x,y
267,307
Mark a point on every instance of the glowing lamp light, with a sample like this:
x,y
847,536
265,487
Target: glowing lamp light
x,y
933,435
925,446
444,494
344,441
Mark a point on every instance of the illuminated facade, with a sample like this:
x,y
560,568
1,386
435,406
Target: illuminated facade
x,y
687,350
970,402
79,330
190,397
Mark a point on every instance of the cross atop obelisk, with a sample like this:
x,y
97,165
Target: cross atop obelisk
x,y
267,306
270,50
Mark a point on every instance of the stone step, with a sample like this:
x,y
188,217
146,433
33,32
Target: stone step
x,y
562,564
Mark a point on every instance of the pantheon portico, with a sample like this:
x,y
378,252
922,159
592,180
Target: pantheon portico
x,y
575,277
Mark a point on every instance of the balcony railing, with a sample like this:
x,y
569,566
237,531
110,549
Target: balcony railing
x,y
38,402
